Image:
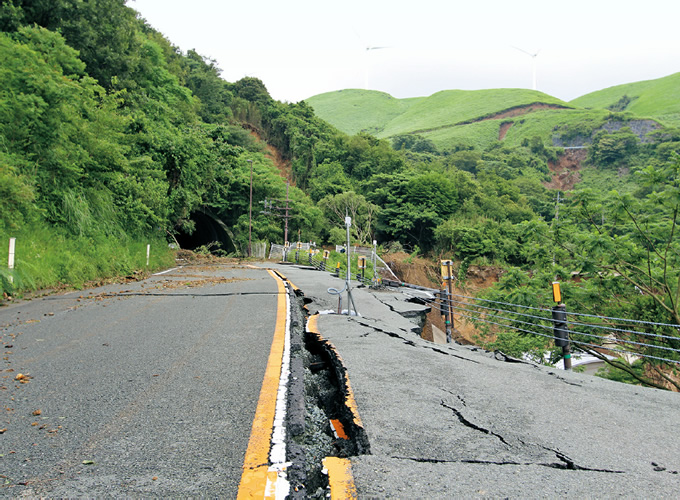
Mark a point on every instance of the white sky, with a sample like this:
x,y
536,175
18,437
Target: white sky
x,y
300,48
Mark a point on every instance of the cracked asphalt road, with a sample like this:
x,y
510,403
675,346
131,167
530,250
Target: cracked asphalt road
x,y
449,421
142,387
146,389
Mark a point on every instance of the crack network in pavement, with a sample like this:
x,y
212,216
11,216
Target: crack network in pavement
x,y
565,463
471,425
491,462
413,344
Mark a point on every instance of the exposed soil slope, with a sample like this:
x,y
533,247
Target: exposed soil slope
x,y
566,170
284,166
424,272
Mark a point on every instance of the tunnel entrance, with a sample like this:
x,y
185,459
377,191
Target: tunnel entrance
x,y
208,229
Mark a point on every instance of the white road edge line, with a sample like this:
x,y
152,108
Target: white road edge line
x,y
167,271
277,456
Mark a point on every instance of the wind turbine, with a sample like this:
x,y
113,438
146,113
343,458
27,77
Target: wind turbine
x,y
533,60
367,63
367,50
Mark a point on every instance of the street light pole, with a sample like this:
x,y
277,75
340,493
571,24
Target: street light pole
x,y
250,213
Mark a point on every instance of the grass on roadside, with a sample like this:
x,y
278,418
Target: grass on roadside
x,y
47,257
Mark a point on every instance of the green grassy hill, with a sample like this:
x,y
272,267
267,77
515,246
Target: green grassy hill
x,y
449,108
659,99
380,114
354,110
453,118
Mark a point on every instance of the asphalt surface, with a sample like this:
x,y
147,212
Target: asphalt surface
x,y
149,390
135,390
450,421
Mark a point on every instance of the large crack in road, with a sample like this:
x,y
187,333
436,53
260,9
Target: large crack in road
x,y
320,424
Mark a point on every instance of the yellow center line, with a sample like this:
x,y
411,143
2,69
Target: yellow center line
x,y
340,478
256,462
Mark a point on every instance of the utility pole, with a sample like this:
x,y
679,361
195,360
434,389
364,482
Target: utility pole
x,y
269,208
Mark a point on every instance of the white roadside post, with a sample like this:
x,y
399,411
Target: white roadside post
x,y
148,254
10,259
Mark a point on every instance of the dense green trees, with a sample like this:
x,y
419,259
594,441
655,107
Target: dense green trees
x,y
617,256
609,149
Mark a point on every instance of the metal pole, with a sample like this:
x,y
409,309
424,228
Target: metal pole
x,y
447,276
561,333
560,328
250,212
348,277
453,325
285,231
350,299
566,355
444,298
374,260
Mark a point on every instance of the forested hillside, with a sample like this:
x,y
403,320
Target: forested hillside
x,y
111,138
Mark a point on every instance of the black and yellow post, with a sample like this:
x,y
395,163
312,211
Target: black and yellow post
x,y
337,270
324,264
560,329
447,277
297,252
361,266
